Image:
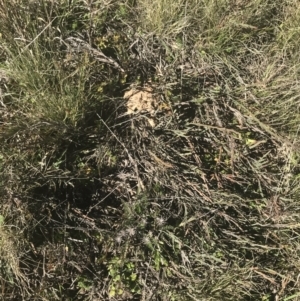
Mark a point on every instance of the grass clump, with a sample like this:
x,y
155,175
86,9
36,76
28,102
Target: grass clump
x,y
11,275
149,150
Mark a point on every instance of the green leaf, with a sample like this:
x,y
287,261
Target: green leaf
x,y
112,292
133,277
117,278
292,297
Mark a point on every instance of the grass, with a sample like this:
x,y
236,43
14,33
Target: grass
x,y
194,196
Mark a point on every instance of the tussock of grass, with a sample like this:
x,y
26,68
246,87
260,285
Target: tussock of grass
x,y
11,276
194,199
166,19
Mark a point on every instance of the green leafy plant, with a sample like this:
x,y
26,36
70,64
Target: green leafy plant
x,y
123,277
